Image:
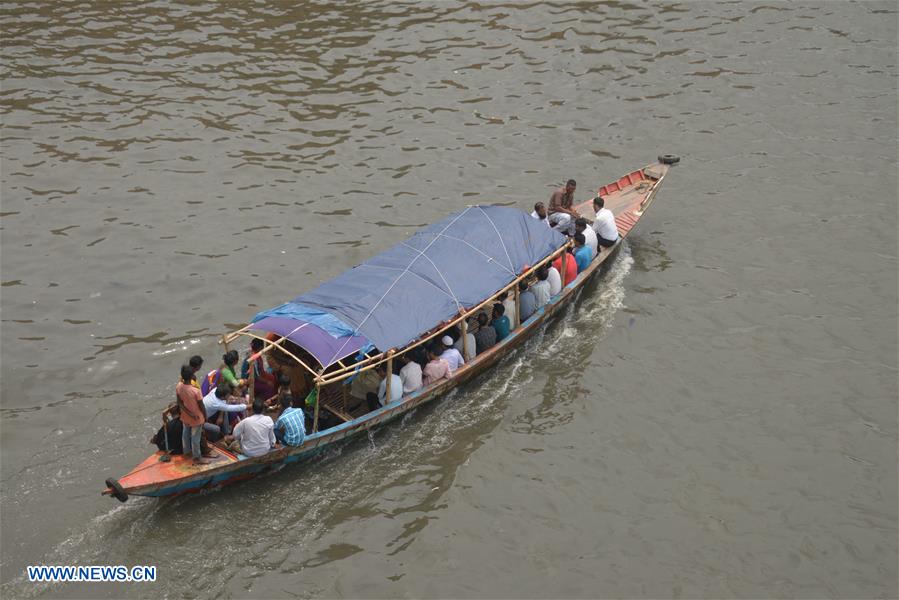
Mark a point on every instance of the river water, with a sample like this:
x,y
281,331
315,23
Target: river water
x,y
715,417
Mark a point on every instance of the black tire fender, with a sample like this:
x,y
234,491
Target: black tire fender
x,y
669,159
117,491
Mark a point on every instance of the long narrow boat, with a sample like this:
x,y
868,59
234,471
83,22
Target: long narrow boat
x,y
399,300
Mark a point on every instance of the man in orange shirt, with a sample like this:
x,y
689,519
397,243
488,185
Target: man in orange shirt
x,y
570,268
193,415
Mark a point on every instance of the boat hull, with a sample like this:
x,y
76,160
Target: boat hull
x,y
628,198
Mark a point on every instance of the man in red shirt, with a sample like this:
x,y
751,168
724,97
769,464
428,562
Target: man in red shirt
x,y
193,415
570,268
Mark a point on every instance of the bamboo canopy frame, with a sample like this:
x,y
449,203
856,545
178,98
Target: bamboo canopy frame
x,y
371,361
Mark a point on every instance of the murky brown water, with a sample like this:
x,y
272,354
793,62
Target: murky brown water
x,y
717,417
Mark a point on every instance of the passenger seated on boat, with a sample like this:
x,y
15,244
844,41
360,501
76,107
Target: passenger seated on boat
x,y
282,364
582,253
541,288
218,404
228,371
561,213
527,303
376,401
570,268
500,322
580,226
437,368
469,339
604,224
410,374
365,383
484,335
263,378
290,428
173,428
196,363
452,356
255,435
554,279
540,213
509,306
283,390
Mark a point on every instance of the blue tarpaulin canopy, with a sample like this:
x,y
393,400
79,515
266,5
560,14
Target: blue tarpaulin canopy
x,y
394,297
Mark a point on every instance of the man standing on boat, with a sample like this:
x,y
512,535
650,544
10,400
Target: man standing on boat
x,y
190,403
561,213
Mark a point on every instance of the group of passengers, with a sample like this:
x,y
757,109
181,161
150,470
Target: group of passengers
x,y
443,356
562,216
227,415
436,361
219,408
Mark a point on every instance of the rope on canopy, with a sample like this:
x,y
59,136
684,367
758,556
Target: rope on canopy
x,y
395,281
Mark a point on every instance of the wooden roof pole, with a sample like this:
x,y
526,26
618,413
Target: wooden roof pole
x,y
229,337
387,396
318,401
276,344
465,340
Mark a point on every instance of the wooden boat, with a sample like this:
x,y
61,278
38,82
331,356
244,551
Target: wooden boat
x,y
164,475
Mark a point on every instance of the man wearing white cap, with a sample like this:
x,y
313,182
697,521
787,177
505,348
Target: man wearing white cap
x,y
452,356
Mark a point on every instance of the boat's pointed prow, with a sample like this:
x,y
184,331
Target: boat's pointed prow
x,y
161,471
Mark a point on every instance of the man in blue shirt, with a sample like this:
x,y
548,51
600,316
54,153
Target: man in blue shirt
x,y
527,302
582,253
500,322
290,428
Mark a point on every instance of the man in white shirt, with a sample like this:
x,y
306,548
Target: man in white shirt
x,y
256,433
540,213
580,226
472,342
555,281
217,408
509,308
541,288
452,356
604,225
410,374
396,386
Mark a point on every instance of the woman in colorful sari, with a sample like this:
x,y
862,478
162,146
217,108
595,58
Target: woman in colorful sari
x,y
228,372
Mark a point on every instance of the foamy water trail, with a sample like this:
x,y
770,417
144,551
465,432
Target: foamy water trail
x,y
598,303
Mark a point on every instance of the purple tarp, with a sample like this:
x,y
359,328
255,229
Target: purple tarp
x,y
325,348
